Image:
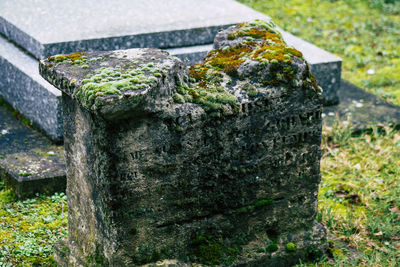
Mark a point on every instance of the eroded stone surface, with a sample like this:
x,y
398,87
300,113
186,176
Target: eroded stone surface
x,y
216,166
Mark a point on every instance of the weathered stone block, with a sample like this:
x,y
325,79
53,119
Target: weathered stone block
x,y
218,165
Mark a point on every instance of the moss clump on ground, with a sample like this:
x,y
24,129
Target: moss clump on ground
x,y
30,228
291,247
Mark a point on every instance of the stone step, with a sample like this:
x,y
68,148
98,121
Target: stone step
x,y
29,162
23,88
22,147
47,28
42,28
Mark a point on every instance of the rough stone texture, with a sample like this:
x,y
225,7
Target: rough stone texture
x,y
326,67
29,162
221,169
23,87
356,107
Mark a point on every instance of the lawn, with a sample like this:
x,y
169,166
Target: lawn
x,y
359,200
365,33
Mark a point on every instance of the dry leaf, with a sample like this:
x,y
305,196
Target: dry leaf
x,y
354,198
395,210
378,234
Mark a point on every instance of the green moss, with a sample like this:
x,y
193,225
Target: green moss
x,y
263,202
74,58
261,250
25,174
272,247
216,249
261,42
257,205
291,247
114,81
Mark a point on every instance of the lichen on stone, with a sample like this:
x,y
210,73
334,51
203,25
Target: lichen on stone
x,y
74,58
256,43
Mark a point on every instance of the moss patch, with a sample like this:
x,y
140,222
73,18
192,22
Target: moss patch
x,y
257,41
74,58
115,80
291,247
214,249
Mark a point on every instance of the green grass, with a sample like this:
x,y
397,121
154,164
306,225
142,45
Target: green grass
x,y
359,198
30,228
365,33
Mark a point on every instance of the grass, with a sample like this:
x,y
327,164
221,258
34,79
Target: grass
x,y
359,195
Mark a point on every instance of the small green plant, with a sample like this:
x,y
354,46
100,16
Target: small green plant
x,y
272,248
291,247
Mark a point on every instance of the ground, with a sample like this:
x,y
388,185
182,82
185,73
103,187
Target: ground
x,y
359,195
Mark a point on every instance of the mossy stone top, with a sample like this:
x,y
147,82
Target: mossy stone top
x,y
115,82
247,62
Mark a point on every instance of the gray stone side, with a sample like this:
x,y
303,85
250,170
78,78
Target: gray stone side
x,y
148,188
328,75
221,170
23,88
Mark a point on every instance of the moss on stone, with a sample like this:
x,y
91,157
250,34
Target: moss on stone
x,y
214,249
113,81
261,42
74,58
256,205
291,247
272,248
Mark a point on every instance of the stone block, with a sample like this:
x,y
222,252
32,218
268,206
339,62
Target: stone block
x,y
218,165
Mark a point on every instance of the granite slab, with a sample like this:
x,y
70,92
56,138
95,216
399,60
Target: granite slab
x,y
45,28
23,88
360,109
29,162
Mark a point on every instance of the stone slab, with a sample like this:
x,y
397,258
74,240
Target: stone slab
x,y
360,109
23,88
47,28
159,156
29,162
